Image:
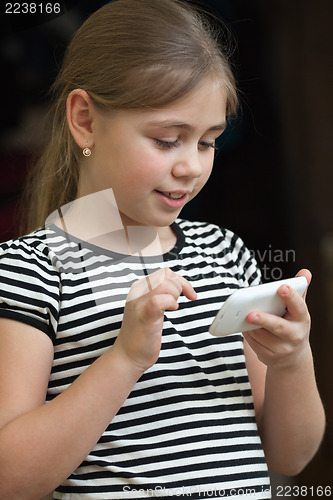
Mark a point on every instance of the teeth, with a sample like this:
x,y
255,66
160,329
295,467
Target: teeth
x,y
173,196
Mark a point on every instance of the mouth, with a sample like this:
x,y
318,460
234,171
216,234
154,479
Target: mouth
x,y
172,196
173,199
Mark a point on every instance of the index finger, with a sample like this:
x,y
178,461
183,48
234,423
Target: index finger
x,y
187,288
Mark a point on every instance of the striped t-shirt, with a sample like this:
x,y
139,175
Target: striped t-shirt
x,y
188,428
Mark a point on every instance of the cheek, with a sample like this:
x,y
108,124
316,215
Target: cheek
x,y
149,166
138,172
139,157
207,169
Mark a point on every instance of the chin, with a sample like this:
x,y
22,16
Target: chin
x,y
164,221
158,220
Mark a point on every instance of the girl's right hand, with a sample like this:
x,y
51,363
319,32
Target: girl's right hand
x,y
140,335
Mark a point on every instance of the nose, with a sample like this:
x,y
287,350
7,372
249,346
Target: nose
x,y
188,165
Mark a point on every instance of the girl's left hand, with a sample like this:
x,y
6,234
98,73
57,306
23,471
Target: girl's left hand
x,y
282,342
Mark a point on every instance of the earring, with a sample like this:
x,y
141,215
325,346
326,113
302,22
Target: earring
x,y
86,152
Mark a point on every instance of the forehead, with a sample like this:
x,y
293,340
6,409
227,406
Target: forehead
x,y
204,105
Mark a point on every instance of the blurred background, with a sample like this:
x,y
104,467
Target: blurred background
x,y
273,178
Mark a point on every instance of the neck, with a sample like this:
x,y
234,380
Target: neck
x,y
95,219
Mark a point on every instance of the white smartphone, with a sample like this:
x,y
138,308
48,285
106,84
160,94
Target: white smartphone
x,y
263,298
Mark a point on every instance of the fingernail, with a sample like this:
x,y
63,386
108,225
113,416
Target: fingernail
x,y
253,318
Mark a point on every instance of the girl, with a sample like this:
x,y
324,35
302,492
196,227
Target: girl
x,y
141,401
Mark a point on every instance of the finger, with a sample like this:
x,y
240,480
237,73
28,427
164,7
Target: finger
x,y
159,279
187,288
170,286
295,304
158,304
176,285
162,281
147,284
270,322
264,338
138,289
307,274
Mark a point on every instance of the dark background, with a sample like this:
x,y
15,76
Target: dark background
x,y
272,182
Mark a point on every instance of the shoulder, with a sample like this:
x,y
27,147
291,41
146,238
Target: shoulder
x,y
211,235
30,281
30,252
222,245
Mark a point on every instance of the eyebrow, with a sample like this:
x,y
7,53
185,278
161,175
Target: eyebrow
x,y
168,124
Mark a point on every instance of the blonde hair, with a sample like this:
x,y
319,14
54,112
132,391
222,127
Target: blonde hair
x,y
128,54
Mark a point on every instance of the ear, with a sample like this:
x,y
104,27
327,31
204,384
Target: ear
x,y
80,114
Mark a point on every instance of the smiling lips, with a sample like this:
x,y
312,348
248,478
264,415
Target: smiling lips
x,y
172,196
173,199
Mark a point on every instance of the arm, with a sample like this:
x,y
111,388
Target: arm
x,y
42,444
289,411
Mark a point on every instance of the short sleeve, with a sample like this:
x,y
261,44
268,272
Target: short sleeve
x,y
29,285
248,271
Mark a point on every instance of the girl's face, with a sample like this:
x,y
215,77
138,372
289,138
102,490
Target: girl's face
x,y
155,160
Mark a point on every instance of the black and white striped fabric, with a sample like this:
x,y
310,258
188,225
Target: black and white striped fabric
x,y
188,428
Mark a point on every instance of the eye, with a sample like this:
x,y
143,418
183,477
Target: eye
x,y
203,145
166,144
